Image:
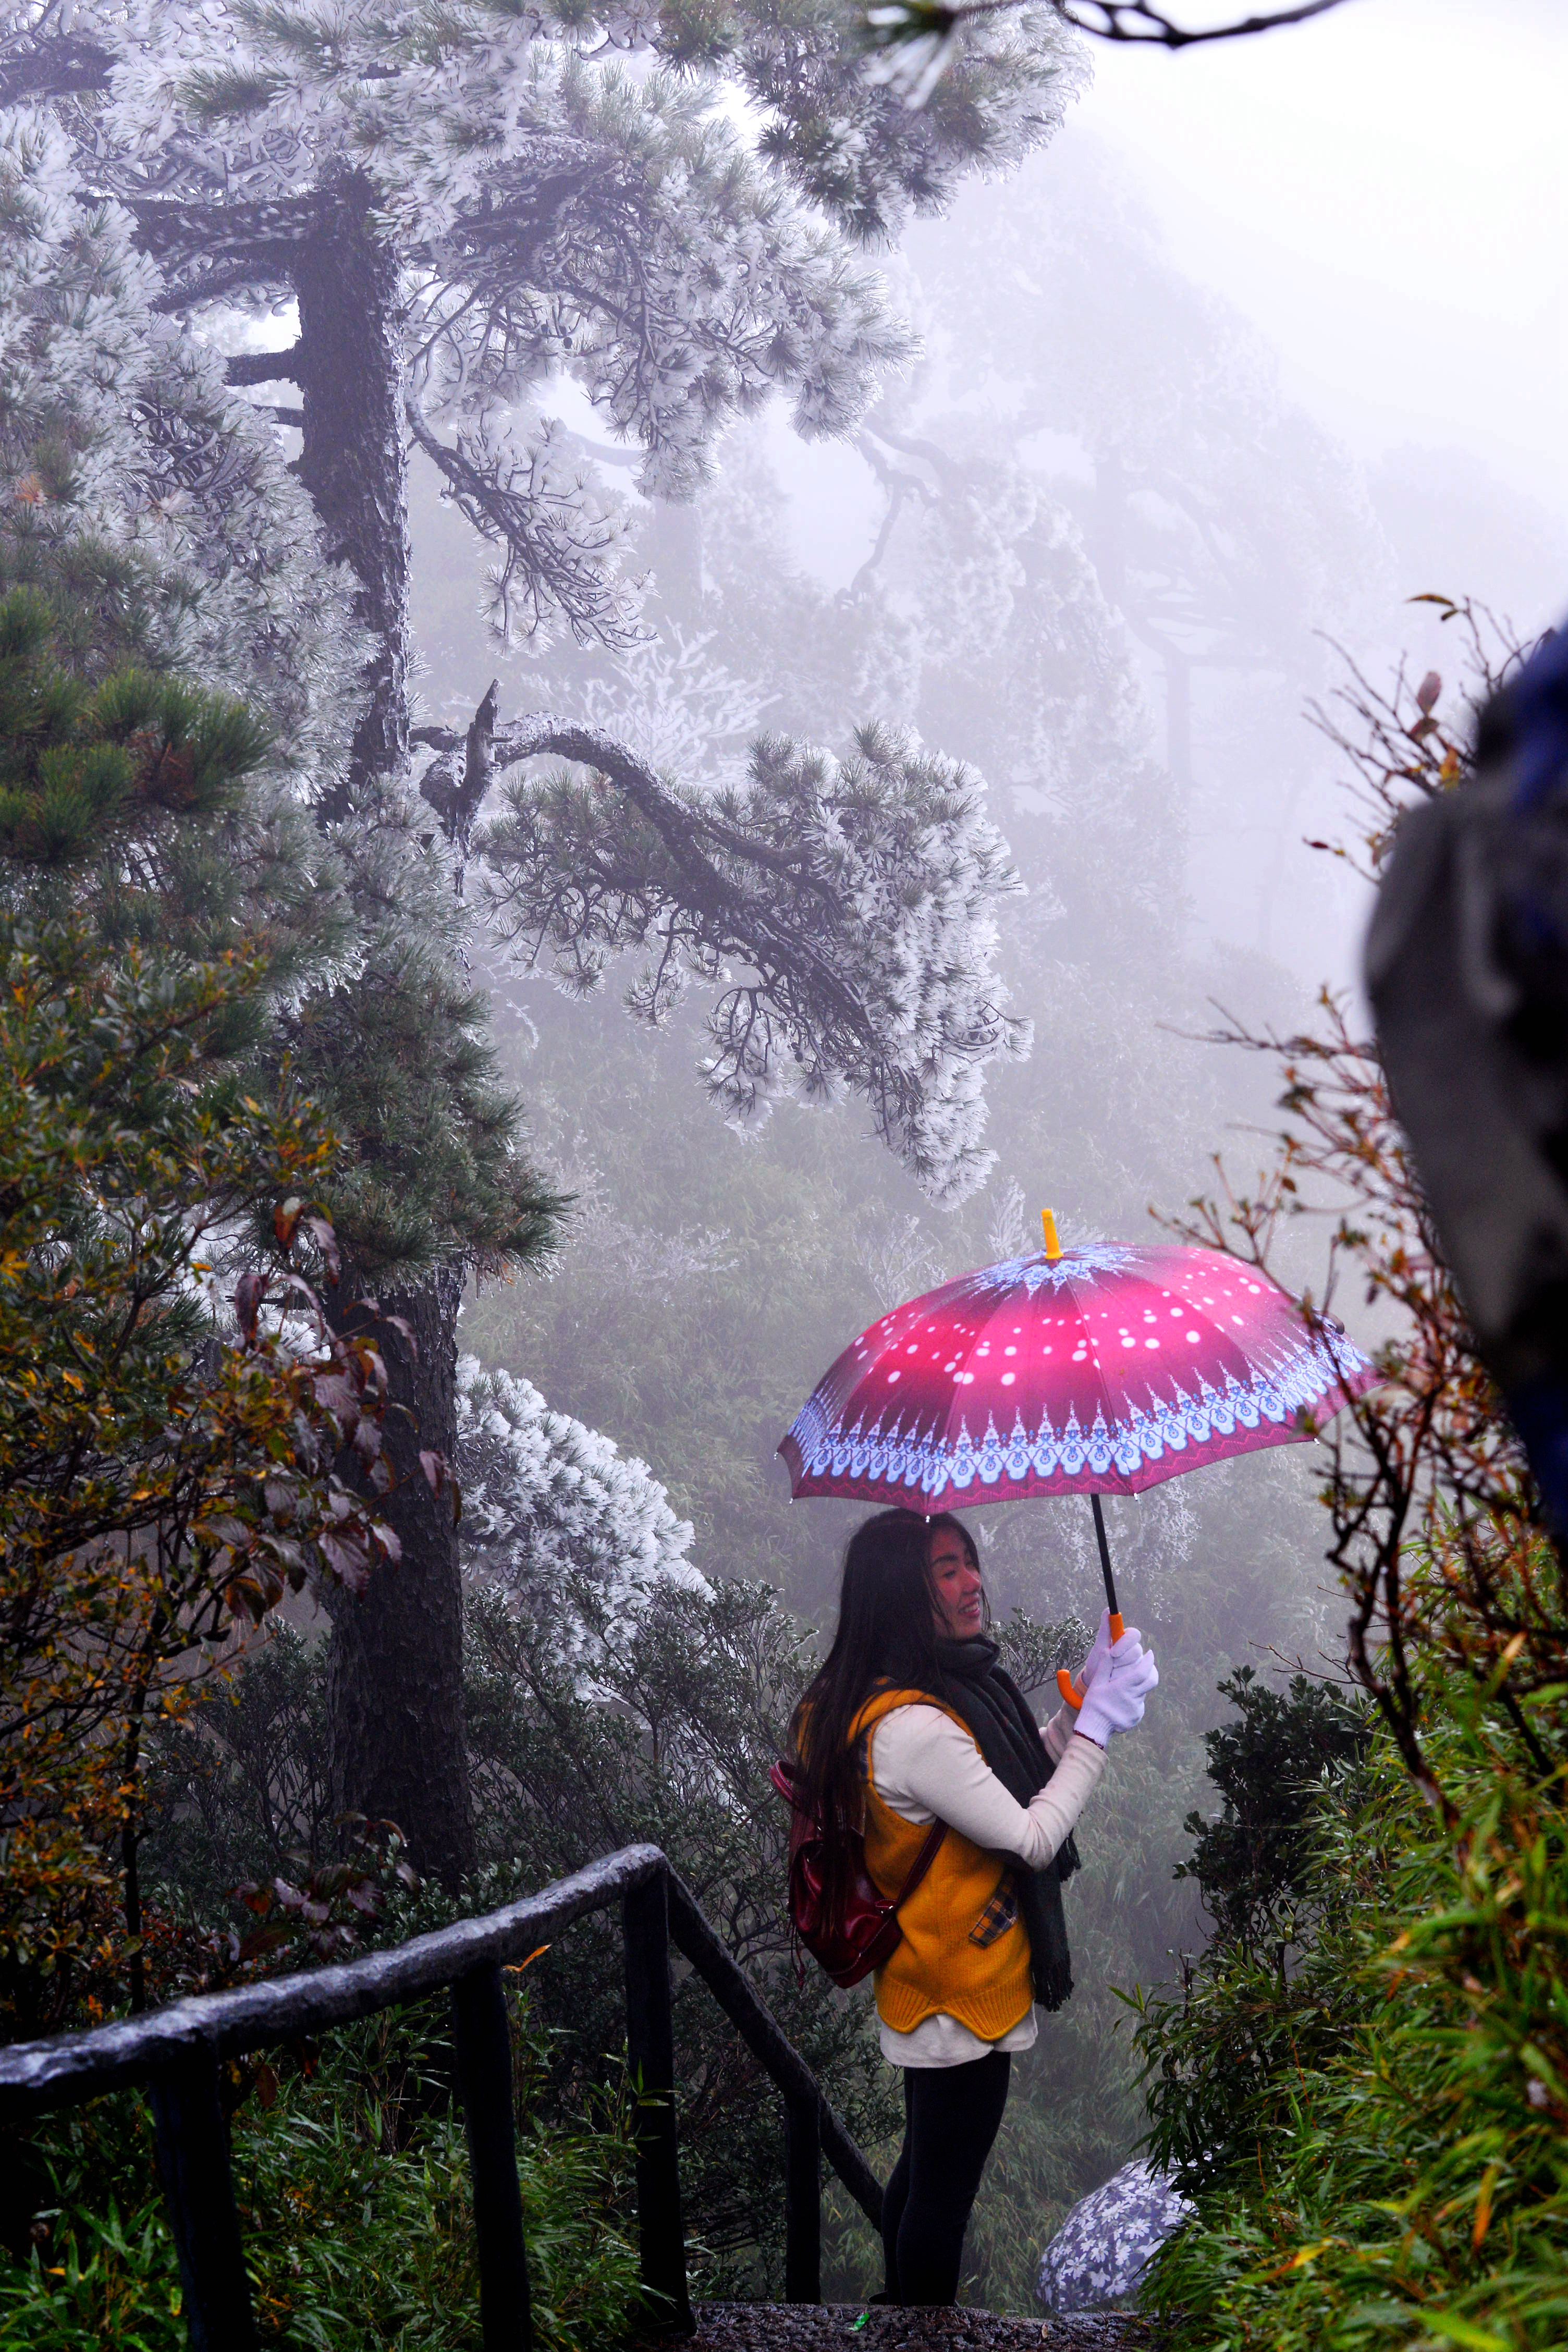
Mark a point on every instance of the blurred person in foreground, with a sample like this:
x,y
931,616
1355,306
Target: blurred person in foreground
x,y
1466,967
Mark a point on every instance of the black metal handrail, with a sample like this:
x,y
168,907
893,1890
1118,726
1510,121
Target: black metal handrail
x,y
177,2051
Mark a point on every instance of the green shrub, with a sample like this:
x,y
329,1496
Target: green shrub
x,y
1256,1859
1373,2132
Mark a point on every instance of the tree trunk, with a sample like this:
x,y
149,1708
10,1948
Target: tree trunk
x,y
350,370
394,1682
394,1686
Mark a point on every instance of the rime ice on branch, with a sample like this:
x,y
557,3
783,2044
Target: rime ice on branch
x,y
546,1499
859,897
462,206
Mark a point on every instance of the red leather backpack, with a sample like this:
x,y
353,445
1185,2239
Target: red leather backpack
x,y
839,1914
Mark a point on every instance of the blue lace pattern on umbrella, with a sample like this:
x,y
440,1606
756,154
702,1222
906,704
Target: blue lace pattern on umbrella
x,y
927,1464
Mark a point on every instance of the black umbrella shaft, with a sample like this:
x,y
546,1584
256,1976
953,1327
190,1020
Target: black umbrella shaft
x,y
1104,1557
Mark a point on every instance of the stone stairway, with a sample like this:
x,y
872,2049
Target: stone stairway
x,y
852,2328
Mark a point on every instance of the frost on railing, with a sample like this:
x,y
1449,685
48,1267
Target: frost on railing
x,y
175,2053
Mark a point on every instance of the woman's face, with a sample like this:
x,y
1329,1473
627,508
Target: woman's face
x,y
955,1586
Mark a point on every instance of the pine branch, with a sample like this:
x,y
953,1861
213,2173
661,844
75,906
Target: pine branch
x,y
37,64
559,543
177,231
844,913
268,367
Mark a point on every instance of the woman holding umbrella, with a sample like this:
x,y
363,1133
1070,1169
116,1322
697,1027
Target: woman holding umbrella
x,y
911,1721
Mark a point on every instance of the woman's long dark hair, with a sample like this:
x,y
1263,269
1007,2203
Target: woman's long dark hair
x,y
886,1633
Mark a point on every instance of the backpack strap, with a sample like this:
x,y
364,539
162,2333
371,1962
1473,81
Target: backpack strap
x,y
921,1862
782,1777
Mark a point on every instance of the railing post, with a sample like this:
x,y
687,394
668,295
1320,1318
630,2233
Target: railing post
x,y
650,2053
193,2160
803,2201
483,2037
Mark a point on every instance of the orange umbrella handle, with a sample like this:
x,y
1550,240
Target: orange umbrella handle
x,y
1071,1695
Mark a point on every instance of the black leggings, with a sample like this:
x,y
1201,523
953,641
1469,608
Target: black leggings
x,y
952,2115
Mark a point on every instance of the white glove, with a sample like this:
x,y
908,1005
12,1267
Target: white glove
x,y
1115,1699
1096,1655
1093,1659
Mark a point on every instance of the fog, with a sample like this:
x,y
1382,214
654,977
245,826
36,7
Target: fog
x,y
1378,197
1095,495
1266,343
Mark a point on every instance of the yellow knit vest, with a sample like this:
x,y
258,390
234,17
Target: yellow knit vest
x,y
952,1959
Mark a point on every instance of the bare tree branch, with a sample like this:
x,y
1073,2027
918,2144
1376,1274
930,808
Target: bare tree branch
x,y
1130,20
912,42
267,367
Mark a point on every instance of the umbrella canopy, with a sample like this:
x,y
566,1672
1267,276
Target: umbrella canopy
x,y
1101,1369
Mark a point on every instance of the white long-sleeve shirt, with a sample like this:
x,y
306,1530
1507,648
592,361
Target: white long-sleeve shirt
x,y
927,1767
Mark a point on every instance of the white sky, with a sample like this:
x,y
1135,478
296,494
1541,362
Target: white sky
x,y
1384,192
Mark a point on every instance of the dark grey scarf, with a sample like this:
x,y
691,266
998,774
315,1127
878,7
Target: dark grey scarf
x,y
978,1688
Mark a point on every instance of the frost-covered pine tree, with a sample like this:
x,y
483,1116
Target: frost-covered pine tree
x,y
547,1500
156,509
143,497
458,208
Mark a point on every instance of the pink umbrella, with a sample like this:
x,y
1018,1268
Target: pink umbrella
x,y
1101,1369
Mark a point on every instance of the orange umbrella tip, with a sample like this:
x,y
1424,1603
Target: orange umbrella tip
x,y
1053,1246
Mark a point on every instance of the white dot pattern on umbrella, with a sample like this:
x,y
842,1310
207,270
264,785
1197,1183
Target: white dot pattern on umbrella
x,y
1050,1376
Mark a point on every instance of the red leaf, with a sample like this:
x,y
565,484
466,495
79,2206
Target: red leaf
x,y
248,1293
404,1333
435,1468
1430,688
285,1218
326,1241
338,1395
348,1563
264,1940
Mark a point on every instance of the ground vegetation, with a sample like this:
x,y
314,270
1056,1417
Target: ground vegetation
x,y
365,2127
1365,2104
167,1470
